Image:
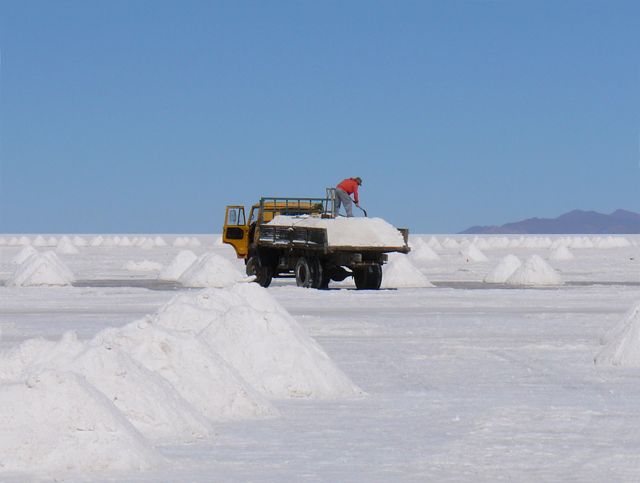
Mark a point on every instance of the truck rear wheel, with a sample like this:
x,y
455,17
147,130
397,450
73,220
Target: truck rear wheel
x,y
368,277
262,272
308,272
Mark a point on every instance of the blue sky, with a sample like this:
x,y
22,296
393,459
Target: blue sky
x,y
151,116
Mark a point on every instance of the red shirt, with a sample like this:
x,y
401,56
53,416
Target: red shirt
x,y
349,186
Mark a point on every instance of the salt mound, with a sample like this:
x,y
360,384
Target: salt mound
x,y
39,241
79,241
561,253
199,375
56,422
147,400
24,241
147,244
401,273
41,269
97,241
65,246
143,266
507,266
260,340
622,342
180,242
535,271
434,244
194,242
159,241
125,242
367,232
178,266
211,270
450,243
472,253
424,253
23,254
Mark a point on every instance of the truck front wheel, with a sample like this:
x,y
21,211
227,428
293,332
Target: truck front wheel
x,y
262,272
368,277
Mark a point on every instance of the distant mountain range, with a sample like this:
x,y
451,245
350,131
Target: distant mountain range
x,y
576,221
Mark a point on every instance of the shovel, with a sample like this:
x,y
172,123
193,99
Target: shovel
x,y
363,210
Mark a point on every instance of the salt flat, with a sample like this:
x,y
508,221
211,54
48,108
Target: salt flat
x,y
463,381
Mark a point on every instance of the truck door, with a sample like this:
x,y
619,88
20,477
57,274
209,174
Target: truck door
x,y
236,230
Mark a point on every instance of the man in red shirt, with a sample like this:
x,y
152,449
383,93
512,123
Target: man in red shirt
x,y
344,189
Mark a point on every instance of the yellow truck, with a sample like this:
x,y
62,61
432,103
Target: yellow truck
x,y
273,249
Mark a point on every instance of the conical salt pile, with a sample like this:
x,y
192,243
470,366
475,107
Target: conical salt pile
x,y
533,272
66,247
23,255
472,253
211,270
41,269
623,341
401,273
178,266
507,266
561,253
423,253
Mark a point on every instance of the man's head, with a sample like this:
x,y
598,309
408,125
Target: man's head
x,y
358,180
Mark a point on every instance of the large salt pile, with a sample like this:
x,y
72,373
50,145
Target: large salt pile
x,y
180,241
260,340
194,242
622,342
507,266
535,271
450,243
147,400
197,373
178,266
56,421
211,270
23,254
361,232
561,253
41,269
471,253
66,247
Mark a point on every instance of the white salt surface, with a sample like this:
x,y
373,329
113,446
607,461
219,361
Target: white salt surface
x,y
360,232
399,272
505,268
178,266
533,272
211,270
623,341
142,266
260,340
57,422
41,269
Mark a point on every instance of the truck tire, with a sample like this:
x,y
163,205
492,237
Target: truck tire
x,y
308,272
262,272
368,277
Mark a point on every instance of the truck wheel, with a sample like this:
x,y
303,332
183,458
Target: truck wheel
x,y
263,273
306,271
368,277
